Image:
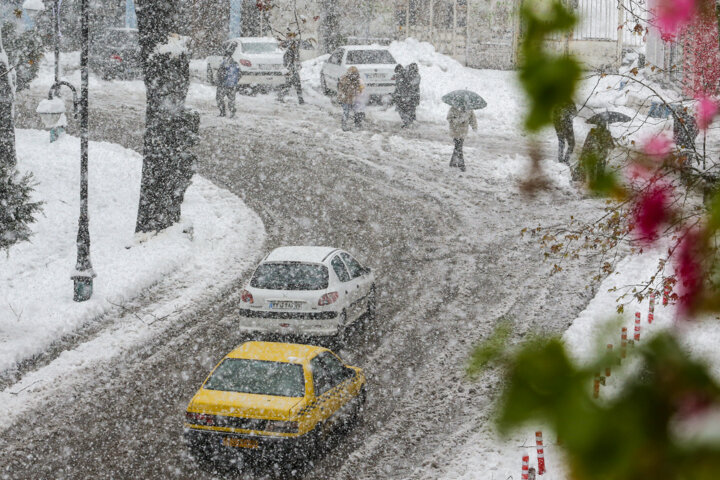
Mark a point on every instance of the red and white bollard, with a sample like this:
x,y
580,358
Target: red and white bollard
x,y
526,461
540,453
651,310
666,295
607,369
638,319
623,343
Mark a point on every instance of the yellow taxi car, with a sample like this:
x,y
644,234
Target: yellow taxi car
x,y
274,398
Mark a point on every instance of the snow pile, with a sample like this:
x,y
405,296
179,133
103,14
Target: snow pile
x,y
34,5
217,238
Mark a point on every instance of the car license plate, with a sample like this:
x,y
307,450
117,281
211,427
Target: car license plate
x,y
286,305
269,67
239,442
375,76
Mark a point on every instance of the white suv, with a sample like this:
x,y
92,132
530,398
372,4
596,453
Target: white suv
x,y
375,64
260,60
307,291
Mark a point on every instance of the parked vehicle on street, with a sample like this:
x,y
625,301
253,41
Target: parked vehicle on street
x,y
115,53
375,64
260,60
308,291
275,401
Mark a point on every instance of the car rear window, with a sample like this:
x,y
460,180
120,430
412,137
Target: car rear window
x,y
256,47
259,377
360,57
290,276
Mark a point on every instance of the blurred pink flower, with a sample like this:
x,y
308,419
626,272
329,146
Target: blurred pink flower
x,y
658,146
652,212
673,15
706,111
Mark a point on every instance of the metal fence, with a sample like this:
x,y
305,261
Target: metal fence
x,y
602,20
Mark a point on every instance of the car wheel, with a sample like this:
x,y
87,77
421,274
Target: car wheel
x,y
323,85
372,304
210,75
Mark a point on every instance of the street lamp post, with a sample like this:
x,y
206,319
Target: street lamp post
x,y
84,274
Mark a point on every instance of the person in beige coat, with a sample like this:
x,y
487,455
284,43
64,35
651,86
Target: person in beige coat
x,y
459,120
349,89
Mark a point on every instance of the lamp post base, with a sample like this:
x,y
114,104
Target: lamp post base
x,y
82,288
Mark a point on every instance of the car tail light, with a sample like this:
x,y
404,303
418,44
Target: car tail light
x,y
328,298
246,63
246,296
393,78
116,57
200,418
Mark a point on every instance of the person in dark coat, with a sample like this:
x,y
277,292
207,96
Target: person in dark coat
x,y
595,152
401,97
563,121
685,131
228,76
413,85
291,60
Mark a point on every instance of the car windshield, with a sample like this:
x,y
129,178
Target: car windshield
x,y
256,47
259,377
359,57
290,276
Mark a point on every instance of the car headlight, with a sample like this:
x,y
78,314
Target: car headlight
x,y
282,427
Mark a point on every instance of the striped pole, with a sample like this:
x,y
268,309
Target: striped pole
x,y
526,460
623,343
666,295
540,453
651,310
607,369
638,318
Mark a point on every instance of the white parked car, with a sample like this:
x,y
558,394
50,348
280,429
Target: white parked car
x,y
307,291
375,64
260,60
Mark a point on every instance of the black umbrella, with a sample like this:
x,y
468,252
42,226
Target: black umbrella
x,y
464,100
608,117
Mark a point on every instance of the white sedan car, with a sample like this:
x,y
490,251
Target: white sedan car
x,y
375,64
260,60
314,291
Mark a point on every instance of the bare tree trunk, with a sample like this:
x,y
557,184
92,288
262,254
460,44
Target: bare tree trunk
x,y
170,128
7,127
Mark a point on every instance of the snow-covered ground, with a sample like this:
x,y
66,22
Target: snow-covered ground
x,y
217,238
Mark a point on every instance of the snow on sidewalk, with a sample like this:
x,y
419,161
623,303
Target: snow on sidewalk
x,y
485,455
216,240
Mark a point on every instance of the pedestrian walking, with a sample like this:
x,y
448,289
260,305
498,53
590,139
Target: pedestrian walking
x,y
595,152
401,95
685,131
413,86
291,60
228,76
563,121
349,88
460,119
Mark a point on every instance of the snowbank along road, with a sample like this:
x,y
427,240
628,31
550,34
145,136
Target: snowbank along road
x,y
449,260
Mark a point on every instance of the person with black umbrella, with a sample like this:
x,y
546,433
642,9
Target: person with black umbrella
x,y
460,117
598,144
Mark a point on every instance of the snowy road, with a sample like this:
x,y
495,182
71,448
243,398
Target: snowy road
x,y
449,259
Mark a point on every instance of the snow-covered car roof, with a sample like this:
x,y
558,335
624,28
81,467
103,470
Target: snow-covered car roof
x,y
364,47
253,40
299,254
